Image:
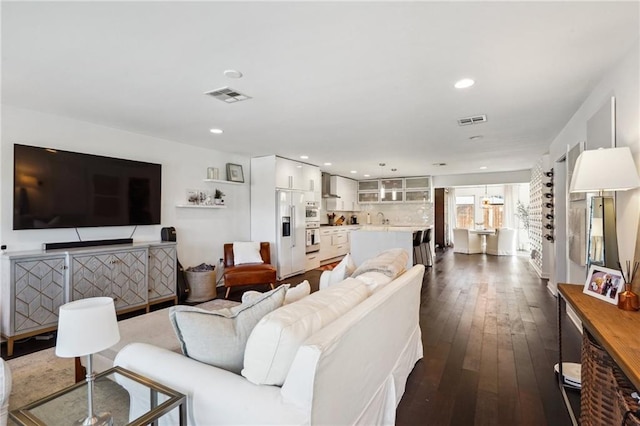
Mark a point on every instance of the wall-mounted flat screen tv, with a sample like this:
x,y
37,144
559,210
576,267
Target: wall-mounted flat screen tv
x,y
62,189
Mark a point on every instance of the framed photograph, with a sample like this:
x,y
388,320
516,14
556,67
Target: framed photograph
x,y
234,173
604,284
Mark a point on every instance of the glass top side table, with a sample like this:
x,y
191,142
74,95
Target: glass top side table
x,y
130,398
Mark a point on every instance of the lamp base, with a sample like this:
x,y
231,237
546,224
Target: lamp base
x,y
102,419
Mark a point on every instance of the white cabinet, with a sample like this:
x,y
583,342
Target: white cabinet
x,y
292,174
312,182
289,174
334,242
312,262
347,190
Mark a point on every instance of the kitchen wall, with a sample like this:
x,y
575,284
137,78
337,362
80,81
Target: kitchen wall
x,y
200,232
398,214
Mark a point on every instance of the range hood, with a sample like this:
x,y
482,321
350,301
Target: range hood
x,y
327,191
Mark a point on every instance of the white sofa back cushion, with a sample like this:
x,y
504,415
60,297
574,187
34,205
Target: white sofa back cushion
x,y
275,340
219,337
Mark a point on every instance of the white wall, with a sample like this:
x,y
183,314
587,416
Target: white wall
x,y
200,232
496,178
623,82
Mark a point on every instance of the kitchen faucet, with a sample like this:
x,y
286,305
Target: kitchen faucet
x,y
384,221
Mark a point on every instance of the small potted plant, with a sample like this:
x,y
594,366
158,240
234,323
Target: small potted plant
x,y
217,197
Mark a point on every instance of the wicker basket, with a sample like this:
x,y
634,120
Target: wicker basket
x,y
626,403
598,404
202,285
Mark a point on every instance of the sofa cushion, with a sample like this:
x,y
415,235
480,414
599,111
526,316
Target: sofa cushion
x,y
219,337
292,294
343,270
246,252
275,340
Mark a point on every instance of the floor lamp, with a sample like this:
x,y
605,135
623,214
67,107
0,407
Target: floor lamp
x,y
85,327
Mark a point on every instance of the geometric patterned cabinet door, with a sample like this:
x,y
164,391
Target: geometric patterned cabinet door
x,y
39,292
162,272
120,275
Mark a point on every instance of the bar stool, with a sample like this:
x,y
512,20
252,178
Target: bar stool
x,y
417,241
426,241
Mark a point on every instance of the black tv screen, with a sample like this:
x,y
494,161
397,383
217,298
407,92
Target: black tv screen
x,y
62,189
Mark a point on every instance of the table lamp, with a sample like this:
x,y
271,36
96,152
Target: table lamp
x,y
600,170
85,327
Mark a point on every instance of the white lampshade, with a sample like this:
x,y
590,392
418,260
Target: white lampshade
x,y
86,326
610,169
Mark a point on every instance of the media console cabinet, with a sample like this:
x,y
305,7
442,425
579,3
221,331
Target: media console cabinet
x,y
36,283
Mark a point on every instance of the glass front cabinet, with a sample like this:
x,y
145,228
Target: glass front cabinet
x,y
395,190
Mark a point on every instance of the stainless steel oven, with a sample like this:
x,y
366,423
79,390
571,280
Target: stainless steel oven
x,y
312,211
313,237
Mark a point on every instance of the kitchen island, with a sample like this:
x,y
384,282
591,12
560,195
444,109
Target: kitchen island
x,y
370,240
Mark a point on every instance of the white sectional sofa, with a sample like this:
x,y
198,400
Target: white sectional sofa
x,y
352,370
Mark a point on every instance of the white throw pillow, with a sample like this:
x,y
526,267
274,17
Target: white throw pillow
x,y
246,252
374,280
293,294
275,340
219,337
343,270
298,292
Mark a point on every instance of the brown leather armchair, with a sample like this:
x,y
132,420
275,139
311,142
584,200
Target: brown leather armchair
x,y
248,273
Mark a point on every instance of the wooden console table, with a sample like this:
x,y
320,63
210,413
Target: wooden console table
x,y
614,329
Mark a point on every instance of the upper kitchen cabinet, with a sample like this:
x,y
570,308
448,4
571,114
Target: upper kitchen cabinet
x,y
292,174
311,180
289,174
347,191
395,190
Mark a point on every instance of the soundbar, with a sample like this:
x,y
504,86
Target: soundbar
x,y
91,243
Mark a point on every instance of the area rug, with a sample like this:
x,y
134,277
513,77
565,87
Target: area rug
x,y
42,373
37,375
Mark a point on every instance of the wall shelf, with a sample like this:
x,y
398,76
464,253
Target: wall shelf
x,y
198,206
223,181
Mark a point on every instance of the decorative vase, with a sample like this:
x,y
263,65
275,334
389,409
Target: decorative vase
x,y
628,300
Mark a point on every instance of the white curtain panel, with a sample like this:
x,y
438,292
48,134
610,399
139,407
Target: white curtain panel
x,y
451,219
510,208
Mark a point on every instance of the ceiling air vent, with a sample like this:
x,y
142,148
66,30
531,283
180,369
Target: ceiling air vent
x,y
472,120
227,95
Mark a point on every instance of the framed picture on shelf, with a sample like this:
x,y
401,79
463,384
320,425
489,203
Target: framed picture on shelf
x,y
604,284
234,173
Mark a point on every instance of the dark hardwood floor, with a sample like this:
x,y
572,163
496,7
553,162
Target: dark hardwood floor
x,y
489,331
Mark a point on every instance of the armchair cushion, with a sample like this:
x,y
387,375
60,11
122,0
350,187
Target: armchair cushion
x,y
219,337
246,252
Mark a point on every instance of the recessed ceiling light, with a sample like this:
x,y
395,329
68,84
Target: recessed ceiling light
x,y
367,175
327,164
483,168
354,171
464,83
216,131
476,137
304,157
232,74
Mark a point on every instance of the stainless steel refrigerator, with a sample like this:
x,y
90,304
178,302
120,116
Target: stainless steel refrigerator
x,y
290,241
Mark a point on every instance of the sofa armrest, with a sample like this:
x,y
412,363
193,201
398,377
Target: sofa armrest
x,y
214,396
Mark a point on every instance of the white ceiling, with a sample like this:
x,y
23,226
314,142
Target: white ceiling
x,y
351,83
